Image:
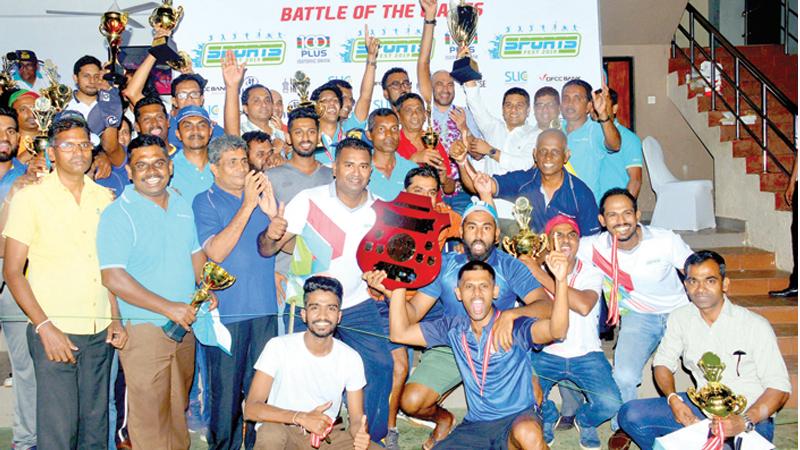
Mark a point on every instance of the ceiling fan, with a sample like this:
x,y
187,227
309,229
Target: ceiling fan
x,y
114,7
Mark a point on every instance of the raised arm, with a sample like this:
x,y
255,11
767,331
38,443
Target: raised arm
x,y
555,328
602,105
368,81
232,74
424,59
580,301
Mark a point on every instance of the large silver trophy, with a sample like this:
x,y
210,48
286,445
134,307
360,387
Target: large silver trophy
x,y
462,20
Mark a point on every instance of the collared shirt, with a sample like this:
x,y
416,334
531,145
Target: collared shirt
x,y
511,276
587,151
188,179
743,340
615,165
63,270
17,169
318,212
516,146
648,277
253,293
327,152
388,188
155,246
84,109
573,199
245,125
508,388
406,149
38,84
216,131
117,179
447,128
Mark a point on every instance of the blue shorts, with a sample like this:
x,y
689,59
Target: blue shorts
x,y
489,434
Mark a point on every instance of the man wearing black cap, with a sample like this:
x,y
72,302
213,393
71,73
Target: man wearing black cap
x,y
26,70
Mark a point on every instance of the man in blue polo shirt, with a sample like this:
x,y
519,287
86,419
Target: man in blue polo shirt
x,y
229,217
624,168
150,259
192,173
187,90
388,168
502,408
550,188
589,141
437,374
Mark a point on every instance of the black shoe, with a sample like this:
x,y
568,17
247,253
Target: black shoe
x,y
788,292
565,423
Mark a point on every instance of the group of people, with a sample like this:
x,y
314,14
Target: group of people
x,y
106,236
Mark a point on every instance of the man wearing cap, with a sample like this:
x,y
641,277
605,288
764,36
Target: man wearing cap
x,y
437,375
192,172
51,228
229,217
22,102
550,188
578,358
26,71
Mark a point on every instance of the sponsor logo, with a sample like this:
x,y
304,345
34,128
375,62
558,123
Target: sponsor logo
x,y
313,48
548,78
256,53
536,45
516,76
396,48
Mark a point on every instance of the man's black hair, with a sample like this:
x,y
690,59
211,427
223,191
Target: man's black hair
x,y
475,265
702,256
518,91
257,136
581,83
12,113
380,112
613,192
302,113
147,140
201,82
85,60
352,142
328,87
425,171
246,92
408,96
390,72
320,283
147,101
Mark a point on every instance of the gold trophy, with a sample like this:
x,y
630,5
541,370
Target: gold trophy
x,y
430,137
6,80
462,20
525,242
112,25
163,48
715,399
43,112
58,94
214,278
300,82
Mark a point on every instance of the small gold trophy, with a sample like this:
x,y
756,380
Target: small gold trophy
x,y
6,81
715,399
112,25
58,94
430,137
526,242
462,20
300,82
43,112
163,48
214,278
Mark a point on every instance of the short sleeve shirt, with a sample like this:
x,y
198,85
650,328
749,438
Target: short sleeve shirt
x,y
513,278
187,179
387,188
216,131
63,269
253,293
615,165
587,151
17,169
155,246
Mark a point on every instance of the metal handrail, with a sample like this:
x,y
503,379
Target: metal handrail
x,y
787,10
740,62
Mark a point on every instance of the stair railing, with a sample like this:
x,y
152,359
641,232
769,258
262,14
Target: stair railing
x,y
741,63
786,27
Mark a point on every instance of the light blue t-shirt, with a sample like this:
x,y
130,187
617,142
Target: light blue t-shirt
x,y
615,165
587,151
328,152
155,246
187,179
387,189
17,169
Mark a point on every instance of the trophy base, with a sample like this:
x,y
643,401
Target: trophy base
x,y
465,69
165,51
174,331
117,79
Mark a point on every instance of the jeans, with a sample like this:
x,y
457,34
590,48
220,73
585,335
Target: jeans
x,y
15,325
647,419
591,373
112,401
639,336
74,406
197,415
361,329
229,378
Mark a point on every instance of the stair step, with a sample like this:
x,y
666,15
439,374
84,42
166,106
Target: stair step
x,y
787,337
754,163
774,182
775,310
780,202
746,258
756,282
715,237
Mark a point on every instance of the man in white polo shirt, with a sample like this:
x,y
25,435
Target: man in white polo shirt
x,y
641,285
578,358
338,216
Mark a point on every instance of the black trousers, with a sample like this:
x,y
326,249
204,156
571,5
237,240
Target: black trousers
x,y
793,277
72,399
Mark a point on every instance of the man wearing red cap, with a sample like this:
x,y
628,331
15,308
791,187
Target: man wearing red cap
x,y
22,102
578,358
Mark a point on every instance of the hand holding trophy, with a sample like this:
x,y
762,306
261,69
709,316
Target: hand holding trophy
x,y
525,242
166,18
112,25
462,20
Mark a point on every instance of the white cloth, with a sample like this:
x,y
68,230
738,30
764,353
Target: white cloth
x,y
84,109
582,334
341,227
516,146
303,381
695,435
245,126
649,283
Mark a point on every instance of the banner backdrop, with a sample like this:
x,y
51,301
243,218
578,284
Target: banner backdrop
x,y
528,44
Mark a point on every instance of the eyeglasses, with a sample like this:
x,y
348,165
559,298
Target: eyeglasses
x,y
399,84
70,147
194,95
234,163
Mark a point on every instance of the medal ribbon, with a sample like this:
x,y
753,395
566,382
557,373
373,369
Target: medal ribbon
x,y
715,442
486,356
613,302
572,278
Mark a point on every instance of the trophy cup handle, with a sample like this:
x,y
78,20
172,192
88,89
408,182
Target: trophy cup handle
x,y
508,246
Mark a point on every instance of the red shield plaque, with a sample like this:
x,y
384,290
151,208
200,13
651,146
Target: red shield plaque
x,y
404,241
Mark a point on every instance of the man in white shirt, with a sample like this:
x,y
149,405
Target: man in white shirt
x,y
641,285
744,342
578,358
297,389
335,217
88,74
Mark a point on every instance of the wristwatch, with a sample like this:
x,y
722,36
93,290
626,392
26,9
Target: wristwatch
x,y
493,151
430,22
748,425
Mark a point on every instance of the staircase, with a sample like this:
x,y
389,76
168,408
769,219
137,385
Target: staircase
x,y
752,273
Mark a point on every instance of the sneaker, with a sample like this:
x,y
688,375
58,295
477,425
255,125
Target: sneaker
x,y
548,434
8,382
589,439
392,440
565,423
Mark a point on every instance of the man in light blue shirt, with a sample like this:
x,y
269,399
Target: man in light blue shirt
x,y
388,168
192,174
624,168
